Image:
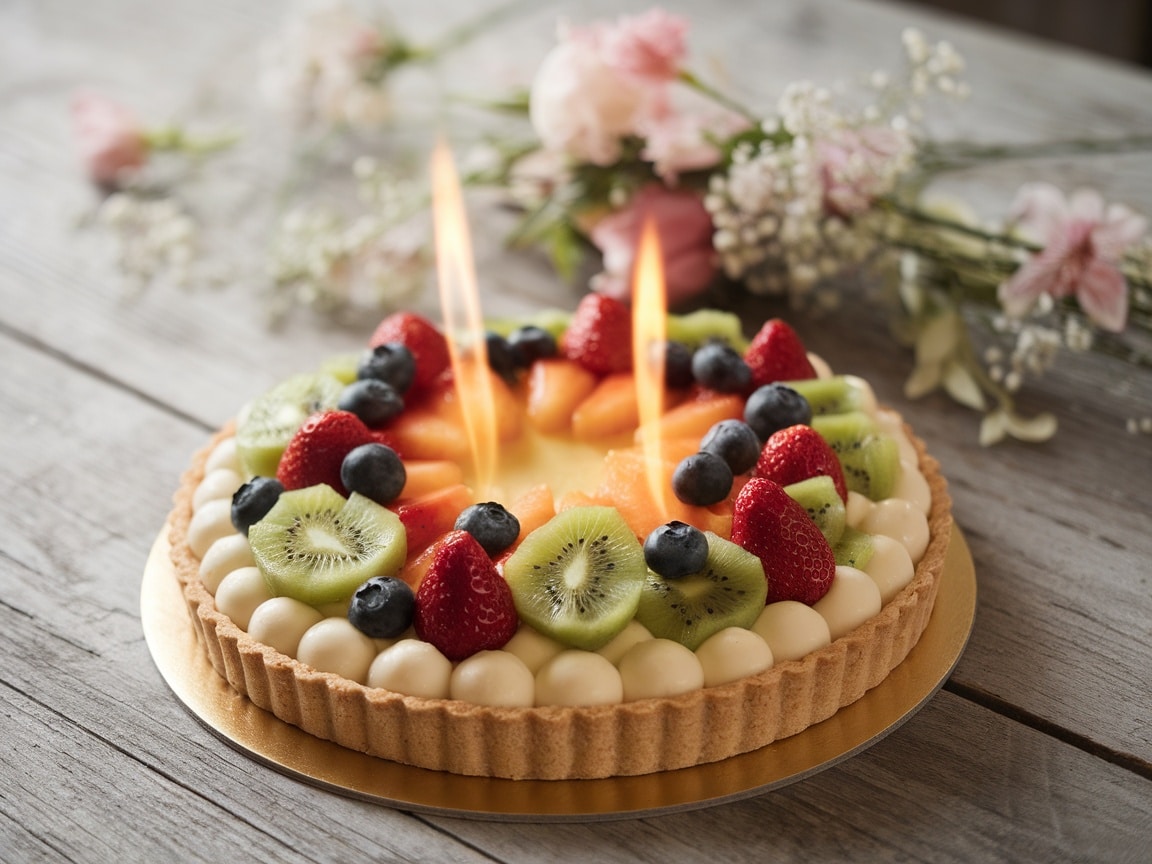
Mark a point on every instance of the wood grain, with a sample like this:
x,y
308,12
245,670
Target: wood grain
x,y
1043,751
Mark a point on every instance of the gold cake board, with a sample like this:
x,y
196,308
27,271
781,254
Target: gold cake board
x,y
260,735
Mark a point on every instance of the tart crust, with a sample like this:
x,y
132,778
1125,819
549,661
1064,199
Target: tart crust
x,y
563,743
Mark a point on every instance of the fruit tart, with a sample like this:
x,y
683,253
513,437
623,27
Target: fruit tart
x,y
604,608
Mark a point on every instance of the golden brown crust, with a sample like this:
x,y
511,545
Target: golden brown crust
x,y
560,742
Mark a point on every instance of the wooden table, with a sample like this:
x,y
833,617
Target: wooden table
x,y
1039,748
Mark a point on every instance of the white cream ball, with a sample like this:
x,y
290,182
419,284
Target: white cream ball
x,y
494,678
281,623
335,645
791,629
240,593
655,668
412,667
852,600
225,555
731,654
576,677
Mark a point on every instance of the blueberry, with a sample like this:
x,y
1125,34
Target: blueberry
x,y
702,479
531,343
500,357
678,365
252,501
676,549
774,407
391,363
382,608
494,528
718,366
735,442
375,471
372,400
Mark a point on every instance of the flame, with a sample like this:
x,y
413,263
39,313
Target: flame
x,y
463,322
649,333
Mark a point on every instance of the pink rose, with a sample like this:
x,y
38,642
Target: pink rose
x,y
685,230
579,104
651,45
681,140
110,139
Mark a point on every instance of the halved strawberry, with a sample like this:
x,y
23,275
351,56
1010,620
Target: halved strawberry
x,y
777,354
421,337
314,454
463,605
797,453
599,336
798,562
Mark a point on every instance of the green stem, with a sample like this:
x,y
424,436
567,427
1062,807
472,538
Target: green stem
x,y
689,79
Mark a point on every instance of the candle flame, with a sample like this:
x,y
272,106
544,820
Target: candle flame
x,y
649,335
463,321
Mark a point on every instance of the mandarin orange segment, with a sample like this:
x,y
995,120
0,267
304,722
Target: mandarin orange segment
x,y
694,417
555,387
608,410
533,508
576,498
428,475
624,485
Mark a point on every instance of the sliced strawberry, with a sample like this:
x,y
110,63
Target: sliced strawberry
x,y
797,453
421,337
314,454
798,562
463,605
599,336
777,354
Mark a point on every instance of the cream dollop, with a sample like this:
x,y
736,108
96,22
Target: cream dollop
x,y
791,629
659,667
218,483
225,555
412,667
533,647
240,593
732,654
852,600
493,678
211,522
632,633
335,645
576,677
281,623
890,566
900,520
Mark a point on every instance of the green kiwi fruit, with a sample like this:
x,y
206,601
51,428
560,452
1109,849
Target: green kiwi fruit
x,y
730,591
578,577
317,547
871,459
272,419
836,395
854,549
819,497
696,328
555,321
343,367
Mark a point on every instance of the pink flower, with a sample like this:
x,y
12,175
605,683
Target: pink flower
x,y
682,139
859,165
1082,241
685,230
579,104
651,45
110,139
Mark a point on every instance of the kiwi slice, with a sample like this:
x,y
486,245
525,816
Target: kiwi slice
x,y
837,395
578,577
819,497
273,418
696,328
343,367
871,459
730,591
854,549
317,547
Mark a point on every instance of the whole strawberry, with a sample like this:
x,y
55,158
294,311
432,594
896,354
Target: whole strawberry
x,y
777,354
420,336
463,605
797,453
798,562
599,336
317,450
